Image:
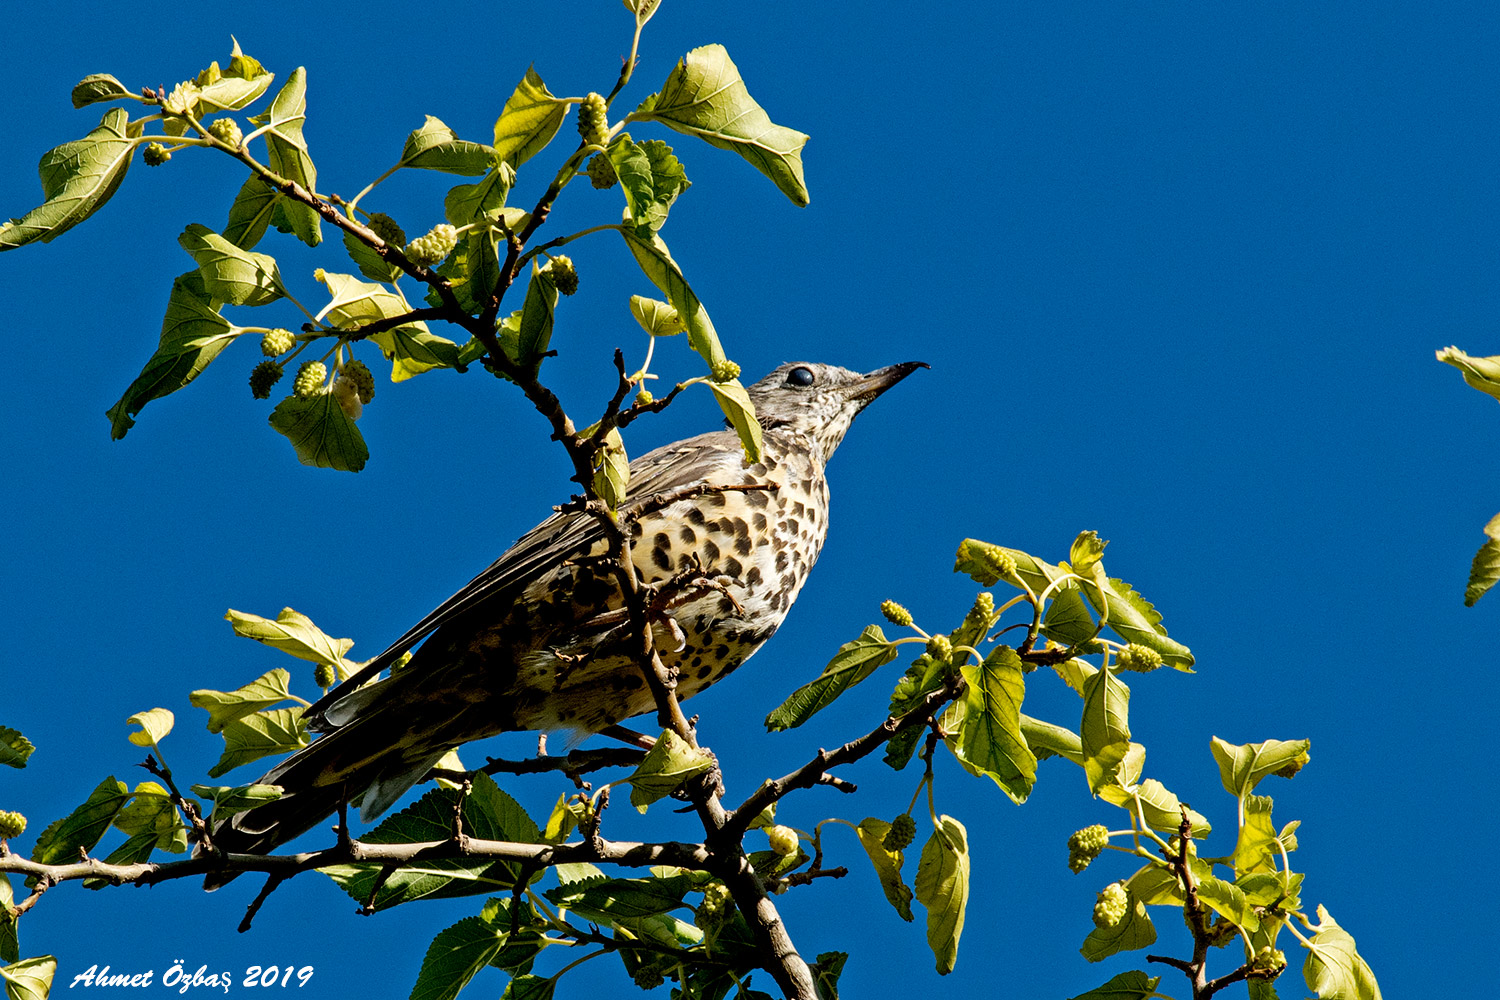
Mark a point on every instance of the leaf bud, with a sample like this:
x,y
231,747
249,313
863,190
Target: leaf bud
x,y
724,371
227,131
277,342
644,398
156,154
310,378
784,840
12,825
593,120
264,375
564,274
895,613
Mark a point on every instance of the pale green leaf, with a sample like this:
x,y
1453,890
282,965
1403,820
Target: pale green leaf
x,y
887,864
666,766
1258,847
990,736
370,263
472,271
1134,930
1163,810
851,664
192,335
99,87
612,470
412,350
435,146
1105,729
1228,900
321,432
1241,768
484,200
528,122
735,402
1133,985
705,96
1046,739
1484,572
261,734
287,151
1075,671
231,275
537,314
15,749
10,945
231,799
81,828
942,886
29,980
650,177
224,707
151,811
251,212
1136,620
655,316
1334,969
657,264
77,179
234,88
155,725
1155,885
1481,373
291,632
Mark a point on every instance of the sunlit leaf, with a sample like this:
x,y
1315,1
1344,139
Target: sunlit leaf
x,y
851,664
82,828
231,275
287,151
942,886
735,402
530,119
1241,768
321,432
155,725
15,749
261,734
887,864
99,87
1134,930
657,264
670,762
77,179
990,736
224,707
435,146
1484,572
1334,969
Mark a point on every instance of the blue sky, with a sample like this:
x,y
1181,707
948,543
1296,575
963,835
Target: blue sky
x,y
1179,271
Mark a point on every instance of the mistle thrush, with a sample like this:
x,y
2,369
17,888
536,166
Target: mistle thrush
x,y
532,643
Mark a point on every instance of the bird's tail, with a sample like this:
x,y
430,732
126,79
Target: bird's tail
x,y
370,762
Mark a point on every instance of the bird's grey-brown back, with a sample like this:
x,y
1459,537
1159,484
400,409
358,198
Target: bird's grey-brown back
x,y
536,641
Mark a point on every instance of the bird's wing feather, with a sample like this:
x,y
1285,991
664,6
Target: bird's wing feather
x,y
683,463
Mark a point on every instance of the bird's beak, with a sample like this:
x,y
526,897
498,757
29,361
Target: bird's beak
x,y
874,383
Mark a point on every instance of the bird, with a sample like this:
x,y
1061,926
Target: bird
x,y
537,640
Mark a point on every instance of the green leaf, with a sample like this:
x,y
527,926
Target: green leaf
x,y
1163,809
735,402
887,864
990,737
353,303
77,179
1481,373
705,96
224,707
1133,985
261,734
851,664
1275,888
605,901
980,560
1155,885
155,725
529,120
151,811
1048,740
99,87
287,151
370,263
1241,768
469,203
455,955
435,146
29,980
231,275
537,313
668,764
529,987
1258,847
1485,570
251,212
655,316
942,886
231,799
412,350
1134,930
657,264
10,945
1228,900
488,814
133,851
15,749
612,470
1105,729
237,87
81,828
1135,619
1074,672
651,178
321,432
1067,620
900,748
472,271
192,335
1334,968
294,634
826,972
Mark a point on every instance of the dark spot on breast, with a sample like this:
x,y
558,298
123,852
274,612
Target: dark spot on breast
x,y
694,515
726,606
661,541
661,558
760,522
757,498
710,552
717,500
688,535
722,652
733,568
781,561
758,469
704,671
798,509
753,578
724,526
636,529
742,544
793,525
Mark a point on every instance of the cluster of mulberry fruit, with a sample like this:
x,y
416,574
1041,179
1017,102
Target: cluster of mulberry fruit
x,y
432,248
901,834
1086,845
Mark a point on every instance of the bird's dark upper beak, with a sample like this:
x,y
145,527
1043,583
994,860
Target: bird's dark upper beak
x,y
881,379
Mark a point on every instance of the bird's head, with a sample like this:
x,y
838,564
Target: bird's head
x,y
821,401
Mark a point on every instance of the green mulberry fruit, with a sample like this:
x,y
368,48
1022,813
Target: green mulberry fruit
x,y
724,371
940,647
984,607
324,675
593,120
715,900
784,840
1086,845
644,398
564,274
310,378
12,825
432,248
265,375
277,342
156,154
895,613
385,227
901,834
227,131
1141,659
1268,963
363,379
1111,906
601,172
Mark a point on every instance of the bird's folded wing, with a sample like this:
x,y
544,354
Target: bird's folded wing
x,y
562,536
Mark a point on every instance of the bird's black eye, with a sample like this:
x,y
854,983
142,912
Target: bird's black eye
x,y
799,376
